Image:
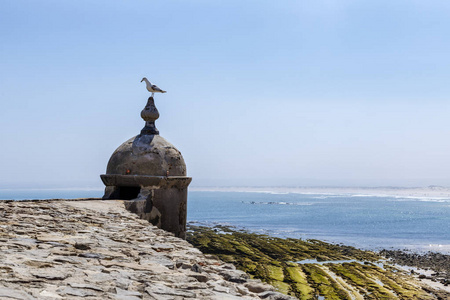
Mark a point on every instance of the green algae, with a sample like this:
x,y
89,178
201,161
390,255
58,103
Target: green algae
x,y
272,260
324,284
351,273
282,287
298,282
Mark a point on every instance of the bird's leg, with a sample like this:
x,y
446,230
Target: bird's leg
x,y
153,94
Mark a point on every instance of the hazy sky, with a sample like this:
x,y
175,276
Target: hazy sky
x,y
298,93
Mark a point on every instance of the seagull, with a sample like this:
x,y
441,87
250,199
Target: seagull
x,y
152,88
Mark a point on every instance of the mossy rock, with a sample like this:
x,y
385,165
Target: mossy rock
x,y
282,287
273,260
299,282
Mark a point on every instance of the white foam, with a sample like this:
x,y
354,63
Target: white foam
x,y
278,203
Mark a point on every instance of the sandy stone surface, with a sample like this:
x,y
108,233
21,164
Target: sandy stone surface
x,y
98,250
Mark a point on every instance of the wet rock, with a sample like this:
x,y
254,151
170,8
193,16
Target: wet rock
x,y
272,260
438,262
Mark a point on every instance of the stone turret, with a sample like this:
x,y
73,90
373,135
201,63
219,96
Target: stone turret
x,y
150,173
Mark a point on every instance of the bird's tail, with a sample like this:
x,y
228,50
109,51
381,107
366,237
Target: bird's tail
x,y
163,91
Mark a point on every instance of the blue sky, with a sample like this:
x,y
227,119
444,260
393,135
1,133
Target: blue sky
x,y
295,93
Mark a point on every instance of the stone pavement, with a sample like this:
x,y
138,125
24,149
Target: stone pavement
x,y
97,250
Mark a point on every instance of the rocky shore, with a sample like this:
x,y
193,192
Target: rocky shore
x,y
98,250
313,269
431,265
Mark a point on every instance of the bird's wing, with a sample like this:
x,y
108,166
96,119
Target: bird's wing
x,y
157,89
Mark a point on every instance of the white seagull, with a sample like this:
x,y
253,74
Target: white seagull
x,y
152,88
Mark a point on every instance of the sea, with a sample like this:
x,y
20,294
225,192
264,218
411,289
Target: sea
x,y
372,222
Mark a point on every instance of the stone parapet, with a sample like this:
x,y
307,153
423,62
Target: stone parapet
x,y
98,250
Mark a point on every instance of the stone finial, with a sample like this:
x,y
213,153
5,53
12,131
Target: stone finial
x,y
150,114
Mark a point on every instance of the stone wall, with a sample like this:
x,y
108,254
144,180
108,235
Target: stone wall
x,y
98,250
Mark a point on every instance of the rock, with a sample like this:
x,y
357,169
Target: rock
x,y
242,290
161,260
124,294
38,264
82,246
107,253
183,265
91,255
49,237
224,296
199,277
196,268
7,293
221,289
235,276
270,295
71,260
162,247
257,287
50,274
229,266
86,286
191,286
76,292
48,294
161,289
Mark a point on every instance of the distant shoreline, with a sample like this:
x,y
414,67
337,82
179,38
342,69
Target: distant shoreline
x,y
434,192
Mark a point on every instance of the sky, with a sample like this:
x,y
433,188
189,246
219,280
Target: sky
x,y
260,93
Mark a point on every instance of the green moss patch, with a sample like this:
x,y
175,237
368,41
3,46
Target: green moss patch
x,y
273,260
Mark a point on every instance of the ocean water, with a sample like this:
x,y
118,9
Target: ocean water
x,y
39,194
367,222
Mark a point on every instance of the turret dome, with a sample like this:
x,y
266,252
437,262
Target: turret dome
x,y
148,155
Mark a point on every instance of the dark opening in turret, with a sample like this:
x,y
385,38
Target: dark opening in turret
x,y
128,192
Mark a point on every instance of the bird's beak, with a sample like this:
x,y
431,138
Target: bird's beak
x,y
142,79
